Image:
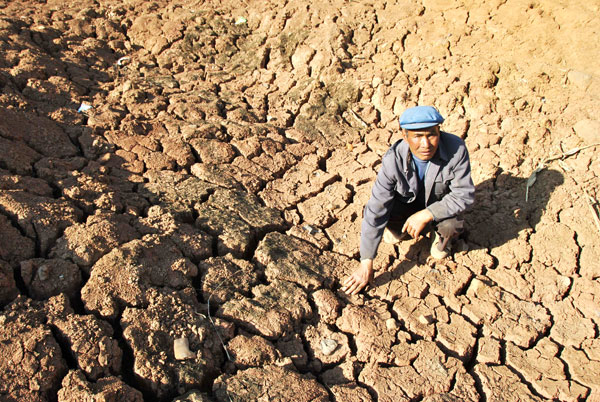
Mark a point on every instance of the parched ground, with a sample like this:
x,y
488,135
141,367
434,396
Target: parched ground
x,y
184,237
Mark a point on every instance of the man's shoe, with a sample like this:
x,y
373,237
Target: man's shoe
x,y
440,247
390,237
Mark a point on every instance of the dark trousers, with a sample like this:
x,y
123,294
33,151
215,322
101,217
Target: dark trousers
x,y
447,228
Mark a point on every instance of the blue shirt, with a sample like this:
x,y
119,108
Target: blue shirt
x,y
421,168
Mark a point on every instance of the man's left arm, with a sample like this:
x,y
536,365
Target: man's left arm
x,y
461,193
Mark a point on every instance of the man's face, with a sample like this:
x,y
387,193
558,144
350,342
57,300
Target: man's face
x,y
423,143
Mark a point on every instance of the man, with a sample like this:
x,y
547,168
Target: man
x,y
425,179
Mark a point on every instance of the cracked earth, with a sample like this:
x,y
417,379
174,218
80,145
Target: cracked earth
x,y
185,237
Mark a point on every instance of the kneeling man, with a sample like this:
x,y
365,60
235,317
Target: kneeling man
x,y
424,180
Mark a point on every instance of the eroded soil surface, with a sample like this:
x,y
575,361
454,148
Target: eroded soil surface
x,y
185,237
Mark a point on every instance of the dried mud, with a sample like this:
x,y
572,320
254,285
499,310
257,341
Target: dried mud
x,y
211,197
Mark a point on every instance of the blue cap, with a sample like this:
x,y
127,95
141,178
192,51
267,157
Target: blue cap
x,y
419,117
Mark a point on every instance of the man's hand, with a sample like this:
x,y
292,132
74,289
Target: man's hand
x,y
360,278
417,222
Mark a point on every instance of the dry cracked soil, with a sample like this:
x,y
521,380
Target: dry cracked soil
x,y
182,183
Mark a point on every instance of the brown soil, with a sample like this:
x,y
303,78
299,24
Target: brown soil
x,y
211,199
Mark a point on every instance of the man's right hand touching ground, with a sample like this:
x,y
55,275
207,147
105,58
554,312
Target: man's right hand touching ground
x,y
360,278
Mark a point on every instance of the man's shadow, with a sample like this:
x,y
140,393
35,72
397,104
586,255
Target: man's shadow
x,y
501,211
500,214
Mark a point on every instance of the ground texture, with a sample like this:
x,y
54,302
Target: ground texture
x,y
185,236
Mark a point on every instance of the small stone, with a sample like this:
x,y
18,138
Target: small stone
x,y
181,348
391,324
476,284
426,319
328,346
43,272
310,229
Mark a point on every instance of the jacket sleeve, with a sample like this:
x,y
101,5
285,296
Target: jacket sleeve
x,y
462,191
378,209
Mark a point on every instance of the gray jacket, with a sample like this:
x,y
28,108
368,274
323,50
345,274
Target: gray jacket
x,y
449,189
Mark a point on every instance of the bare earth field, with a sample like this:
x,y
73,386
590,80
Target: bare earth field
x,y
185,237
